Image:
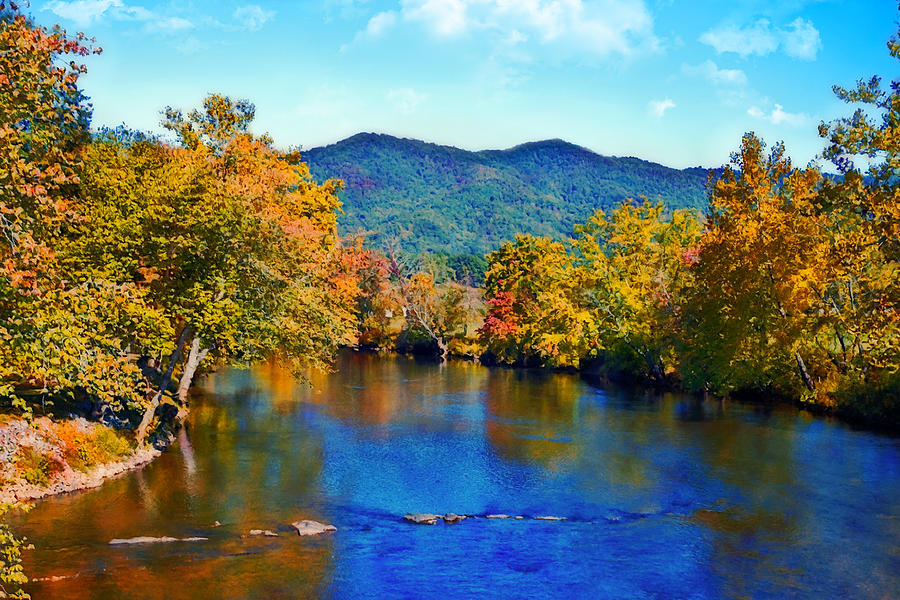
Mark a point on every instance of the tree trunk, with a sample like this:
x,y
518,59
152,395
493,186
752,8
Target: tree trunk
x,y
141,433
804,374
443,347
195,357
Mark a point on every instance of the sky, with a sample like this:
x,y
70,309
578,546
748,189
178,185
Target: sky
x,y
673,81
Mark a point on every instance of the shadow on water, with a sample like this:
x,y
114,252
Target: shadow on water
x,y
665,495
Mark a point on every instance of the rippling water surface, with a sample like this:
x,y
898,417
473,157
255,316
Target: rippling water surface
x,y
665,496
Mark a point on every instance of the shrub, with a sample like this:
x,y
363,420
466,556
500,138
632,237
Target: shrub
x,y
84,448
35,467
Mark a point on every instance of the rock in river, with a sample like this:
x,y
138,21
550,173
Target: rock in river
x,y
421,518
155,540
262,532
312,528
496,516
451,518
549,518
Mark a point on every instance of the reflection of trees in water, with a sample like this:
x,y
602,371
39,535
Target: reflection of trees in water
x,y
749,548
372,389
531,417
215,570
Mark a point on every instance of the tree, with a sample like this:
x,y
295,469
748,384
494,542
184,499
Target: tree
x,y
535,310
634,276
438,311
228,240
864,243
756,308
60,333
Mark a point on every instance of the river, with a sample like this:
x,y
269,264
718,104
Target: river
x,y
664,495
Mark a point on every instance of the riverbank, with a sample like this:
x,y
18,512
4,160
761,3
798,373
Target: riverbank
x,y
50,457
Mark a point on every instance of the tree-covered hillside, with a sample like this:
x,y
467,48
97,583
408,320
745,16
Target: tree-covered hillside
x,y
433,197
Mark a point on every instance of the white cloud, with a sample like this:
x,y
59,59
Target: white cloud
x,y
443,17
82,12
85,12
658,108
406,99
252,16
757,38
600,27
380,23
800,39
710,71
779,116
168,25
375,28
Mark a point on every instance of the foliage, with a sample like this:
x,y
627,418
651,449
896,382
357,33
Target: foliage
x,y
123,255
36,467
436,313
12,576
535,311
759,266
634,272
58,332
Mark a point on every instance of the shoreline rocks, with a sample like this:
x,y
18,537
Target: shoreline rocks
x,y
43,438
71,480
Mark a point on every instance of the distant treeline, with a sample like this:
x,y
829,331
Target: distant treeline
x,y
431,198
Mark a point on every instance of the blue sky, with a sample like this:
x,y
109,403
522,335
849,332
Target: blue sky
x,y
674,81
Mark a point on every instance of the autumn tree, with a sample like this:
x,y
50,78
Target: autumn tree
x,y
61,332
228,239
634,271
863,298
536,313
756,305
437,311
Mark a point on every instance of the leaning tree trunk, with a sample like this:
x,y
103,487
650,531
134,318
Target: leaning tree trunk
x,y
141,433
804,373
195,357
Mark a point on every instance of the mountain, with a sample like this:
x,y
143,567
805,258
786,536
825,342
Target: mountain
x,y
432,197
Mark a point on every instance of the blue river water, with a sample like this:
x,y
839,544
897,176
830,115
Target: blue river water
x,y
664,495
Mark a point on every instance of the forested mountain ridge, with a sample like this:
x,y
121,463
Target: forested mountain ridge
x,y
433,197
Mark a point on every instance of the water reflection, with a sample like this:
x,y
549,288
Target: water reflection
x,y
667,496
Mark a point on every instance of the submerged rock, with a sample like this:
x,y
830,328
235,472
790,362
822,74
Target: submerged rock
x,y
155,540
451,518
262,532
421,518
312,528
